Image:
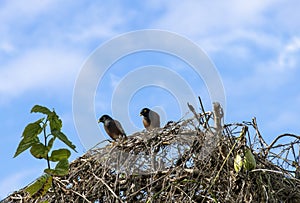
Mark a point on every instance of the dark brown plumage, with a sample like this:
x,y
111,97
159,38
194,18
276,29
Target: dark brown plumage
x,y
112,127
151,119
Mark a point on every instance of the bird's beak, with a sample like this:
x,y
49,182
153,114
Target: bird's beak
x,y
99,121
141,114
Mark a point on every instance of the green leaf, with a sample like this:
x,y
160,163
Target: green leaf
x,y
64,139
39,151
50,143
62,164
25,144
40,186
30,133
55,122
40,109
61,169
60,154
32,129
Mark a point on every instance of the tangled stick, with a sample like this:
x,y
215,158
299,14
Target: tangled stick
x,y
187,161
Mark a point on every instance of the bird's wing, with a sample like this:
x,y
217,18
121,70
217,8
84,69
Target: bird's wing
x,y
155,119
119,126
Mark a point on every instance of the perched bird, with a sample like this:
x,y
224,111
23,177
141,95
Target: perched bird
x,y
151,119
112,127
244,160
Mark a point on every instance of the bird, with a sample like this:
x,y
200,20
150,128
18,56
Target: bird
x,y
244,160
112,127
151,119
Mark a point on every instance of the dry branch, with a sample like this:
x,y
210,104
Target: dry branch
x,y
186,161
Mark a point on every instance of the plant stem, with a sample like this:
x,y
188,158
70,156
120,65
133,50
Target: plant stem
x,y
45,138
47,156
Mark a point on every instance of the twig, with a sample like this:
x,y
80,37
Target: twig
x,y
226,159
278,137
104,183
261,139
206,124
77,193
192,109
218,115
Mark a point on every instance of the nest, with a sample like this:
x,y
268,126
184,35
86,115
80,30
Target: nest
x,y
191,160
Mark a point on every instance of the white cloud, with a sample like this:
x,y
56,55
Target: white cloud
x,y
45,24
229,26
264,74
245,31
96,23
7,47
12,10
289,56
39,69
39,45
285,16
278,70
201,18
15,15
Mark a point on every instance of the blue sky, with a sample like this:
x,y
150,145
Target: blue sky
x,y
43,45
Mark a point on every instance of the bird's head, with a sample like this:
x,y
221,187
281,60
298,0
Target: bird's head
x,y
144,112
103,118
